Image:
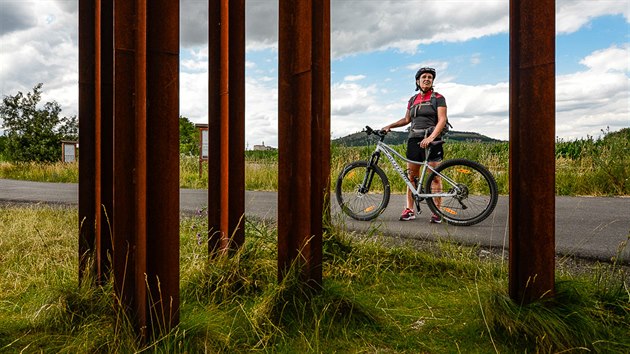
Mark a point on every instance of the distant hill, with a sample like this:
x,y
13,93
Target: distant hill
x,y
396,138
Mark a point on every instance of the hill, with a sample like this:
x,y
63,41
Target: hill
x,y
397,137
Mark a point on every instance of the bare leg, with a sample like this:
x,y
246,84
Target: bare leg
x,y
436,186
414,171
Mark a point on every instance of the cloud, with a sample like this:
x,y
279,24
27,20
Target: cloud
x,y
354,77
38,43
595,98
571,15
587,101
70,6
193,23
15,16
350,98
46,52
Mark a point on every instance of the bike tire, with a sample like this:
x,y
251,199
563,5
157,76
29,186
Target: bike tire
x,y
366,204
478,196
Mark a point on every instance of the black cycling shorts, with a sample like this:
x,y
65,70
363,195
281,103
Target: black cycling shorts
x,y
416,153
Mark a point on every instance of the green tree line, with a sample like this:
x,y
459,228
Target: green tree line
x,y
33,132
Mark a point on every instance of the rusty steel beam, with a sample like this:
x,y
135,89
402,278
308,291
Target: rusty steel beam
x,y
162,160
95,115
106,154
235,222
304,133
321,126
226,122
146,161
87,118
532,141
214,126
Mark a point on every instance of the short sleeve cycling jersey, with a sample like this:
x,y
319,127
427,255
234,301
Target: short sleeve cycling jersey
x,y
423,114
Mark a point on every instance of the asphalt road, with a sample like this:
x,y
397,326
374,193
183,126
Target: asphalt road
x,y
586,227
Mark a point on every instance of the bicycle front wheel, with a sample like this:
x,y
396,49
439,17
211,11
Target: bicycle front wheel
x,y
472,192
362,190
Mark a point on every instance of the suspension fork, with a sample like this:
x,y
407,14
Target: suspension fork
x,y
367,179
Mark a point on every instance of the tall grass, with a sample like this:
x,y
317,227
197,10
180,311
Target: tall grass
x,y
41,172
438,297
597,167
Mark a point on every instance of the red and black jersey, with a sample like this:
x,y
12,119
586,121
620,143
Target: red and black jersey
x,y
422,112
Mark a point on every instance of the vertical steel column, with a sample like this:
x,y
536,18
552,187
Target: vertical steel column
x,y
162,160
146,160
532,139
87,123
304,133
106,217
95,119
226,124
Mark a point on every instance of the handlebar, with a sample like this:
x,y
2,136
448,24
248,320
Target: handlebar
x,y
380,133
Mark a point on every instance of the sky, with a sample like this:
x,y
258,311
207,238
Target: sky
x,y
376,48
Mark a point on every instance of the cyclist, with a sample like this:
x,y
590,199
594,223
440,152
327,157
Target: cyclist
x,y
427,122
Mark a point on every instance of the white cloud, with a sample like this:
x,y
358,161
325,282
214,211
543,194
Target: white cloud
x,y
46,52
571,15
596,98
354,77
613,59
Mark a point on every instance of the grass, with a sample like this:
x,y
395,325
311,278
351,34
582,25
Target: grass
x,y
583,167
434,298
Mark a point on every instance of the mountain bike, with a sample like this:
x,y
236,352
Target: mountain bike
x,y
467,196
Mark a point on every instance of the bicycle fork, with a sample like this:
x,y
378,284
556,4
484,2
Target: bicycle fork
x,y
369,173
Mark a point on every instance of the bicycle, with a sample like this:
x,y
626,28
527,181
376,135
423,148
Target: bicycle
x,y
467,197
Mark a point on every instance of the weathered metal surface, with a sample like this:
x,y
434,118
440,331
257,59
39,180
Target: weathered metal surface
x,y
303,119
226,121
214,126
532,160
95,119
162,160
87,95
106,154
146,160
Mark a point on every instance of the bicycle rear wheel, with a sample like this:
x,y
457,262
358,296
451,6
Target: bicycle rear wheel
x,y
362,192
474,192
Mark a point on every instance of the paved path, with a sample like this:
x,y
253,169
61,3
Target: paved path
x,y
585,226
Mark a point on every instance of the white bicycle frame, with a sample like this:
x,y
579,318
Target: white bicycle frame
x,y
388,151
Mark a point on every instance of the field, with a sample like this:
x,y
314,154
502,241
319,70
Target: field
x,y
377,298
595,167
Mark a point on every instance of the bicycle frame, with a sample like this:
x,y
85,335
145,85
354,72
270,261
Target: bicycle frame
x,y
381,147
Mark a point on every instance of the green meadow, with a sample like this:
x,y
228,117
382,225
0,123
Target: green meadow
x,y
595,167
376,298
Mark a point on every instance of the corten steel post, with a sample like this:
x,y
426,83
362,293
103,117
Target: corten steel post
x,y
87,118
226,125
95,120
532,160
107,136
146,161
304,134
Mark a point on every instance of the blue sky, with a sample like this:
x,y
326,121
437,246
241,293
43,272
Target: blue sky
x,y
377,46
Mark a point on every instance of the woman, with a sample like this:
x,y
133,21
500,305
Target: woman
x,y
427,124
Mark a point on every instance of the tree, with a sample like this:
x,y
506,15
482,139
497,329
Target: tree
x,y
32,133
188,137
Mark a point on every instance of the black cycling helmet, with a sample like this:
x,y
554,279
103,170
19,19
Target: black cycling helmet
x,y
422,71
